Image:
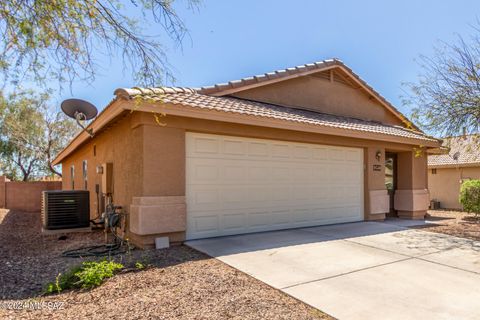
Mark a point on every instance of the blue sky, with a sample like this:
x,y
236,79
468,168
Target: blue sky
x,y
379,40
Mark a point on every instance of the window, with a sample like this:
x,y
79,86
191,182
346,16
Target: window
x,y
94,150
72,177
434,171
85,176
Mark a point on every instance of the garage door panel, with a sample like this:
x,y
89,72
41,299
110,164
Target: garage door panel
x,y
234,222
258,149
258,219
320,153
240,185
302,152
204,198
280,150
234,197
235,172
281,217
258,172
205,145
259,196
206,223
235,147
336,154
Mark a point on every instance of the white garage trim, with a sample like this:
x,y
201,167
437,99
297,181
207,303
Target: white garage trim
x,y
240,185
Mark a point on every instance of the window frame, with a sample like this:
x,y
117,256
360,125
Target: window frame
x,y
85,174
72,176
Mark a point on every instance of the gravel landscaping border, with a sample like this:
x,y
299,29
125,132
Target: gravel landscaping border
x,y
180,283
455,223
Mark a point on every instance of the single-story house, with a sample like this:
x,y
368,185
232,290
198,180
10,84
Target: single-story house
x,y
446,172
299,147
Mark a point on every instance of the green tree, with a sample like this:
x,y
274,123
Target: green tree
x,y
446,98
61,39
31,134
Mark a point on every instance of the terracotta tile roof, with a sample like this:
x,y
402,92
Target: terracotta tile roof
x,y
277,75
316,66
191,98
464,148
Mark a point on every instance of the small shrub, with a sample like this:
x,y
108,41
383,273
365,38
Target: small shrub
x,y
63,281
93,273
139,265
470,196
87,275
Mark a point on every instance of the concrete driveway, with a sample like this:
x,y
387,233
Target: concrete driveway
x,y
365,270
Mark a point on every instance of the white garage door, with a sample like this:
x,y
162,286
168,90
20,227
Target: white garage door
x,y
239,185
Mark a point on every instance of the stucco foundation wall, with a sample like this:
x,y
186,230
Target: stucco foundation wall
x,y
444,186
119,144
25,196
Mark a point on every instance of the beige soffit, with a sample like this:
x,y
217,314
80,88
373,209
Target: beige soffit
x,y
463,151
230,87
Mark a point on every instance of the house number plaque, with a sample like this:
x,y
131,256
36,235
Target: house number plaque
x,y
377,167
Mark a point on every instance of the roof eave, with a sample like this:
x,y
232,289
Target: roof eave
x,y
454,165
215,115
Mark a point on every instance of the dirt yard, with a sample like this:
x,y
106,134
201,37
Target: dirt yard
x,y
455,223
180,283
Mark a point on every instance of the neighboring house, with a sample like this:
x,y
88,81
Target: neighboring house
x,y
299,147
446,172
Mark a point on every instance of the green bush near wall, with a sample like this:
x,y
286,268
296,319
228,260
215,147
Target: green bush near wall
x,y
470,196
88,275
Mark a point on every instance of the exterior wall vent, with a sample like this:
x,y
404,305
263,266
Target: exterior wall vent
x,y
65,209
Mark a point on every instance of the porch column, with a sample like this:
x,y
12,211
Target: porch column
x,y
411,197
377,201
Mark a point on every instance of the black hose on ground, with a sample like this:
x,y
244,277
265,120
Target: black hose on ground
x,y
102,250
119,246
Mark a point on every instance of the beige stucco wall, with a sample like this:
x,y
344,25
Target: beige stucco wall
x,y
119,144
149,167
444,186
322,95
24,196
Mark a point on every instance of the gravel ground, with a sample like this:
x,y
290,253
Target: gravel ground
x,y
180,283
455,223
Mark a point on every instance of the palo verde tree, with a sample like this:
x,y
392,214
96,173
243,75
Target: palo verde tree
x,y
446,98
61,39
31,134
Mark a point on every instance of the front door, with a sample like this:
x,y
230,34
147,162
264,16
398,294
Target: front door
x,y
391,179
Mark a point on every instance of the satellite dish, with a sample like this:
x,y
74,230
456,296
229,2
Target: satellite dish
x,y
456,155
75,107
80,110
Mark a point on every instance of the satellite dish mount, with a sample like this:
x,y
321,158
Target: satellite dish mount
x,y
81,111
